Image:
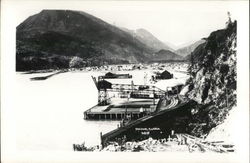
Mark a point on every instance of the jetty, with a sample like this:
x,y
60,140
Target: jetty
x,y
124,101
47,76
120,108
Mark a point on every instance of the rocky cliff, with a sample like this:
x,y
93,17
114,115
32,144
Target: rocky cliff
x,y
213,78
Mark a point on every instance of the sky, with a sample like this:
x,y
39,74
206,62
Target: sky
x,y
177,23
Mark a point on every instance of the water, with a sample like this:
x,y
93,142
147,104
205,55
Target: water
x,y
49,113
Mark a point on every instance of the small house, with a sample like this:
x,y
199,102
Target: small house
x,y
164,75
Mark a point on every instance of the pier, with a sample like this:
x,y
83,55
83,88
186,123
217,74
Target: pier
x,y
121,108
124,101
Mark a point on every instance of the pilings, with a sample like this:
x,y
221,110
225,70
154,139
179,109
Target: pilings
x,y
111,116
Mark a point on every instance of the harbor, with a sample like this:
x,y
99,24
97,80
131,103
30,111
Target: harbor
x,y
80,86
141,109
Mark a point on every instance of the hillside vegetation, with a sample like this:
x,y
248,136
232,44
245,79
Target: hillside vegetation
x,y
51,38
213,79
56,39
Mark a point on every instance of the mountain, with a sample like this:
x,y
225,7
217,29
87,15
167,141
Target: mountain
x,y
172,46
148,39
184,51
213,81
196,52
166,55
52,38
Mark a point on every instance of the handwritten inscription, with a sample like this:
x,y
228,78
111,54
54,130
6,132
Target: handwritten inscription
x,y
147,129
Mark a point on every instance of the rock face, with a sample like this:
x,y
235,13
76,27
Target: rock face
x,y
51,38
214,69
196,51
213,78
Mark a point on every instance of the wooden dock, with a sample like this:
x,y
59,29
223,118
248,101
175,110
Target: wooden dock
x,y
121,109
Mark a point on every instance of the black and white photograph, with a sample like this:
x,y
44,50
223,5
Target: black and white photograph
x,y
103,79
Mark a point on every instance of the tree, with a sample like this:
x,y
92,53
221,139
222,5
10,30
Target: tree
x,y
76,62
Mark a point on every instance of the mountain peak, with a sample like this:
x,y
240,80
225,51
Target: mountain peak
x,y
143,31
51,38
149,39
